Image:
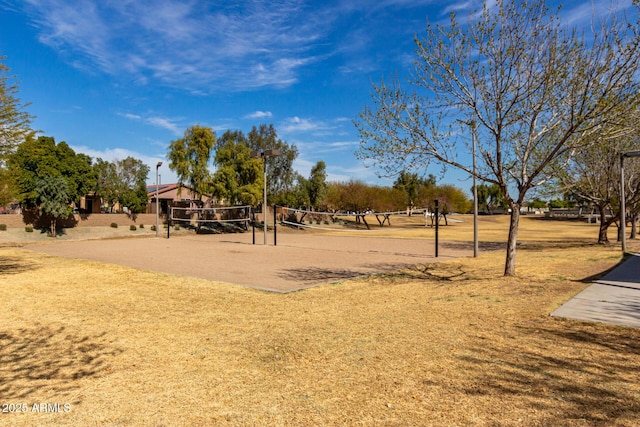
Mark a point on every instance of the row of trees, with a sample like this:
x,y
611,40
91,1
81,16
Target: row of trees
x,y
515,83
239,170
592,177
238,173
48,179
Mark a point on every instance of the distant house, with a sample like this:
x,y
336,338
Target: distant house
x,y
171,195
90,203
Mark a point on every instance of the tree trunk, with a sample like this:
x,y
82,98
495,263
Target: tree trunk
x,y
604,226
53,228
634,226
510,263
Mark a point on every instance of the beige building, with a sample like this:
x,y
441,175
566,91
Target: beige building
x,y
172,195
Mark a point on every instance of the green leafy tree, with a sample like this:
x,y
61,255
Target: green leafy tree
x,y
107,182
533,89
316,185
412,186
298,197
15,122
239,177
189,157
280,173
7,192
491,198
53,199
42,157
133,175
537,203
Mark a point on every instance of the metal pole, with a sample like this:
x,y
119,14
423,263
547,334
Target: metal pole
x,y
475,195
157,201
623,218
437,214
253,225
264,202
275,226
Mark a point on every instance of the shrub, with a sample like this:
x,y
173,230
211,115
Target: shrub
x,y
153,228
176,227
3,227
133,227
141,225
28,229
114,225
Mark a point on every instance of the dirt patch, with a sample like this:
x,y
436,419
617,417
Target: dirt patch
x,y
300,260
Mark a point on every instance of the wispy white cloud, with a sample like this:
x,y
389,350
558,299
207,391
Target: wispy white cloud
x,y
195,45
151,160
326,147
296,125
584,14
159,122
164,123
131,116
338,173
315,130
259,115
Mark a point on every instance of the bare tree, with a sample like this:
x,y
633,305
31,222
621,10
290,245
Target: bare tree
x,y
14,120
593,175
531,91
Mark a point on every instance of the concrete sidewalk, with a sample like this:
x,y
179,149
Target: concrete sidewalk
x,y
613,299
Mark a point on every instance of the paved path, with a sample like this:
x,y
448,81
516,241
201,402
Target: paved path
x,y
613,299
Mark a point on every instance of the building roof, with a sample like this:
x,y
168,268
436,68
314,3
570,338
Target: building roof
x,y
162,188
170,191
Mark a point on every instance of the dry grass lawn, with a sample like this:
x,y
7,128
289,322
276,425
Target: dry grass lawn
x,y
454,343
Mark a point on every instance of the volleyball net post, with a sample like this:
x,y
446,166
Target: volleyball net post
x,y
275,226
253,224
169,222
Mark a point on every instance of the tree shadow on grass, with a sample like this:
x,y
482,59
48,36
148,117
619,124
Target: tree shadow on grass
x,y
392,273
468,246
42,359
14,265
314,274
564,374
388,270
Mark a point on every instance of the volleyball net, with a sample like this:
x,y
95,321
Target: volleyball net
x,y
215,219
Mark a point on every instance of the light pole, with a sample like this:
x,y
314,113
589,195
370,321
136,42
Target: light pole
x,y
475,193
157,201
623,208
472,125
264,154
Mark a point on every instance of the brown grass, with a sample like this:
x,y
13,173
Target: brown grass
x,y
453,343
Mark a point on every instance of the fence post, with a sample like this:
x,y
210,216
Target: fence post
x,y
275,226
437,222
168,222
253,225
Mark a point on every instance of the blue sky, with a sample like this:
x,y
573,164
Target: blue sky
x,y
118,78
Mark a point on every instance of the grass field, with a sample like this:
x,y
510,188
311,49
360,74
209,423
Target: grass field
x,y
452,343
